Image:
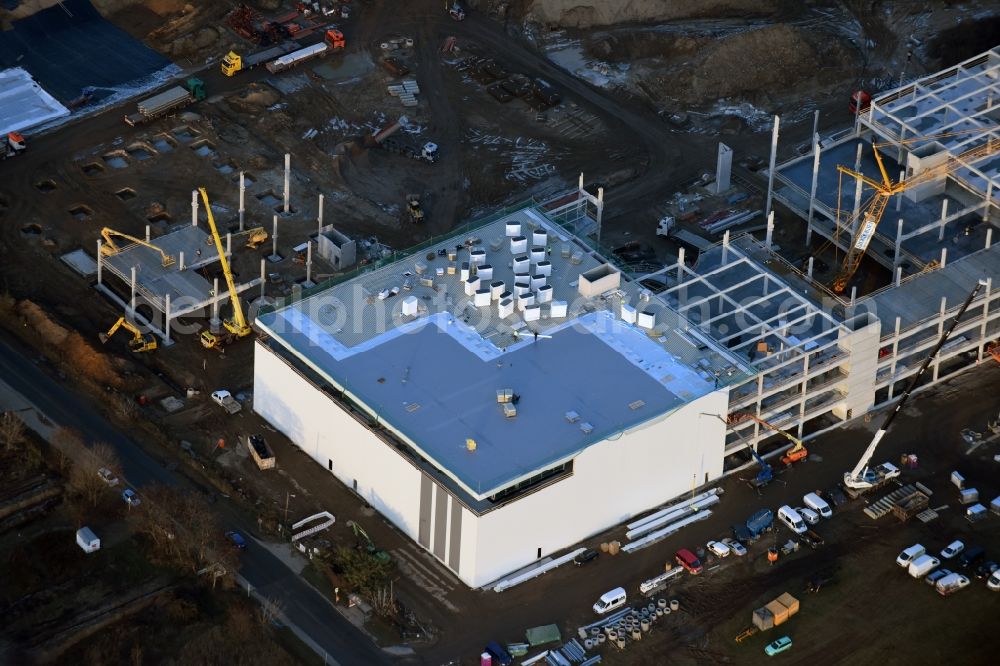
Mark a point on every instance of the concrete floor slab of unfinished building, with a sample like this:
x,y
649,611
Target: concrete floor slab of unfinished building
x,y
962,235
919,297
154,280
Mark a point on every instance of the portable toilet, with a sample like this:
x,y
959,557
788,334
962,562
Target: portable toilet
x,y
87,540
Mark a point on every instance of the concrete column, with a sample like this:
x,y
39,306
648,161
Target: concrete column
x,y
989,201
899,275
166,322
100,261
132,301
989,238
809,268
770,171
899,242
319,217
985,317
214,322
243,194
857,185
600,211
147,233
815,183
725,248
180,266
580,184
770,230
895,356
944,257
194,208
263,276
309,261
816,129
229,243
854,295
944,215
288,178
937,359
680,264
274,237
899,199
723,168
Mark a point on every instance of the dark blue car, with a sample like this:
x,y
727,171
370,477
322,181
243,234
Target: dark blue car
x,y
237,539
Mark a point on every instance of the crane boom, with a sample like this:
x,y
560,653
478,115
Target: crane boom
x,y
238,324
886,189
111,248
855,478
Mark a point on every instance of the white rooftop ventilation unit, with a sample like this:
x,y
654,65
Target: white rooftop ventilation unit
x,y
410,306
518,245
513,229
628,313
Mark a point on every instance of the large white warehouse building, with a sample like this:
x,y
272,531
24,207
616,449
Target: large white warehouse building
x,y
499,395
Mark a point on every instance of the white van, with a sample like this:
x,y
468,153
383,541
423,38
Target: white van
x,y
808,515
910,554
923,565
610,601
792,519
817,504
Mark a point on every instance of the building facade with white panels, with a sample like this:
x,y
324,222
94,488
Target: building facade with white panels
x,y
502,396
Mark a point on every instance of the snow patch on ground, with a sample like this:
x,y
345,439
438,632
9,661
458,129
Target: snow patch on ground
x,y
570,56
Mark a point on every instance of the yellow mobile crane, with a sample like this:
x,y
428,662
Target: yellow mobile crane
x,y
110,248
237,326
138,343
871,212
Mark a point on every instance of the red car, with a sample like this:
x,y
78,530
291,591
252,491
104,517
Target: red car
x,y
687,559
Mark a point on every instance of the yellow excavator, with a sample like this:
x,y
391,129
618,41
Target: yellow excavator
x,y
110,248
255,237
138,343
237,326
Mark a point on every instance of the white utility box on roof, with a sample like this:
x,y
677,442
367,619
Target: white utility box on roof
x,y
410,306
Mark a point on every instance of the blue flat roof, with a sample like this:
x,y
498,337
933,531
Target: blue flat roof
x,y
429,387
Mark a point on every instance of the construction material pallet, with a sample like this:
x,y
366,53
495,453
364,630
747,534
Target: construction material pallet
x,y
927,515
883,506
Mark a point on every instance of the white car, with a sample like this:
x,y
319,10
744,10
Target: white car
x,y
808,515
952,549
951,583
993,582
107,476
718,548
735,547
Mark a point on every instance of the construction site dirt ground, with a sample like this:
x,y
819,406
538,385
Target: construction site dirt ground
x,y
99,172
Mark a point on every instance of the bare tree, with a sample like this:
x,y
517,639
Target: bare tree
x,y
84,481
270,610
11,430
104,455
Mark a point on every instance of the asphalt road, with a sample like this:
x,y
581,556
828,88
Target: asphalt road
x,y
304,607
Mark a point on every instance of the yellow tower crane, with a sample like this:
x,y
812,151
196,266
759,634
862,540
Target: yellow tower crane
x,y
871,212
237,326
110,248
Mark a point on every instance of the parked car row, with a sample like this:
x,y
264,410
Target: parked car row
x,y
920,564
